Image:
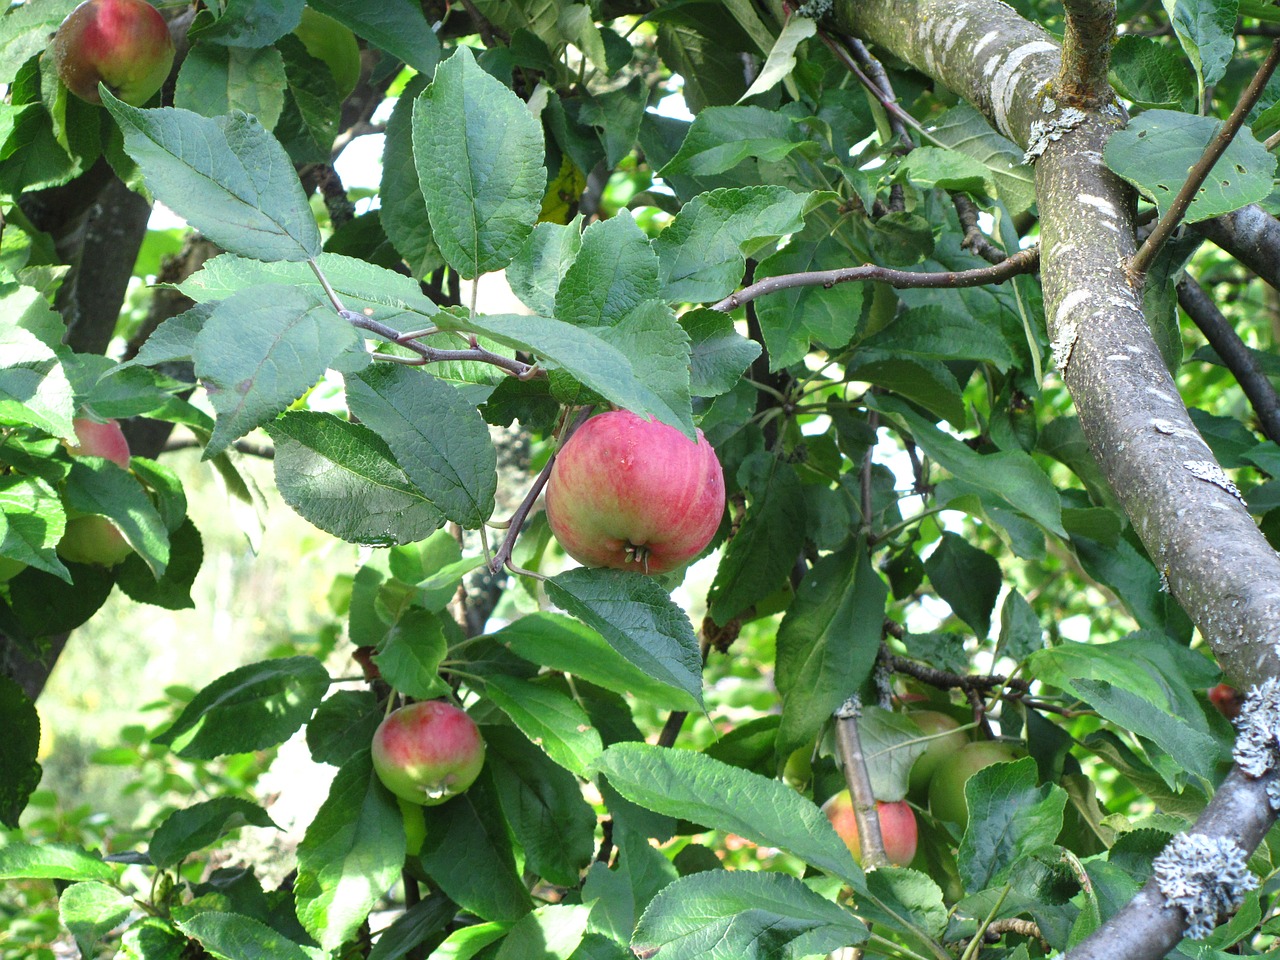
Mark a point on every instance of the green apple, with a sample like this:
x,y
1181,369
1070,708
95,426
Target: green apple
x,y
93,539
932,722
947,801
328,40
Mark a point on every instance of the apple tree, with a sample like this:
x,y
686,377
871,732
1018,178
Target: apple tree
x,y
962,436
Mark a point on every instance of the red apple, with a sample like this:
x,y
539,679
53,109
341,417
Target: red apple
x,y
428,752
634,494
93,539
947,801
1227,699
123,43
100,440
897,827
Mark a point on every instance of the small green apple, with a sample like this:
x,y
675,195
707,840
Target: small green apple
x,y
947,801
933,722
93,539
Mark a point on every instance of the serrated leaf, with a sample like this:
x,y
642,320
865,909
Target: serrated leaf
x,y
556,929
561,643
343,725
938,333
639,620
410,654
397,26
479,153
439,439
718,353
827,642
1207,34
20,860
32,521
226,176
695,787
782,56
540,266
232,936
90,909
351,855
703,251
549,719
1157,148
968,579
342,477
412,927
906,900
1151,73
260,350
543,804
614,271
185,831
965,129
1009,816
403,210
720,138
216,80
741,915
586,356
252,707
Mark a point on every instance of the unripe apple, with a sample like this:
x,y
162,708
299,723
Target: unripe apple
x,y
933,722
10,568
897,827
946,789
100,440
634,494
123,43
428,752
93,539
329,41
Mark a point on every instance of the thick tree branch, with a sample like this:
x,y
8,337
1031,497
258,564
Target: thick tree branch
x,y
1086,53
1252,236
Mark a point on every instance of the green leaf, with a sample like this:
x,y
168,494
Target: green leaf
x,y
967,579
226,176
351,855
172,590
343,725
184,832
1157,148
413,927
765,548
543,803
252,707
551,932
263,348
938,333
1020,631
703,251
561,643
468,853
439,439
782,56
100,487
32,521
741,915
1206,31
597,364
216,80
243,24
907,900
926,167
403,209
409,657
615,271
891,743
827,642
930,384
465,943
964,129
90,909
692,786
51,861
1010,474
33,385
719,354
397,26
1009,816
790,320
231,936
18,749
479,153
1151,74
548,718
720,138
639,620
343,478
539,268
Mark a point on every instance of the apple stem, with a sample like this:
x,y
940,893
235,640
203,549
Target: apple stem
x,y
854,762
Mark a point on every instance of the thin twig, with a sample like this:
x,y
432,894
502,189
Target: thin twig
x,y
849,743
974,239
1146,255
433,355
1025,261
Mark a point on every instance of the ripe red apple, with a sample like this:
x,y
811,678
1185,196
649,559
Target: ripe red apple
x,y
1227,699
947,801
100,440
428,752
123,43
93,539
897,827
634,494
933,722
